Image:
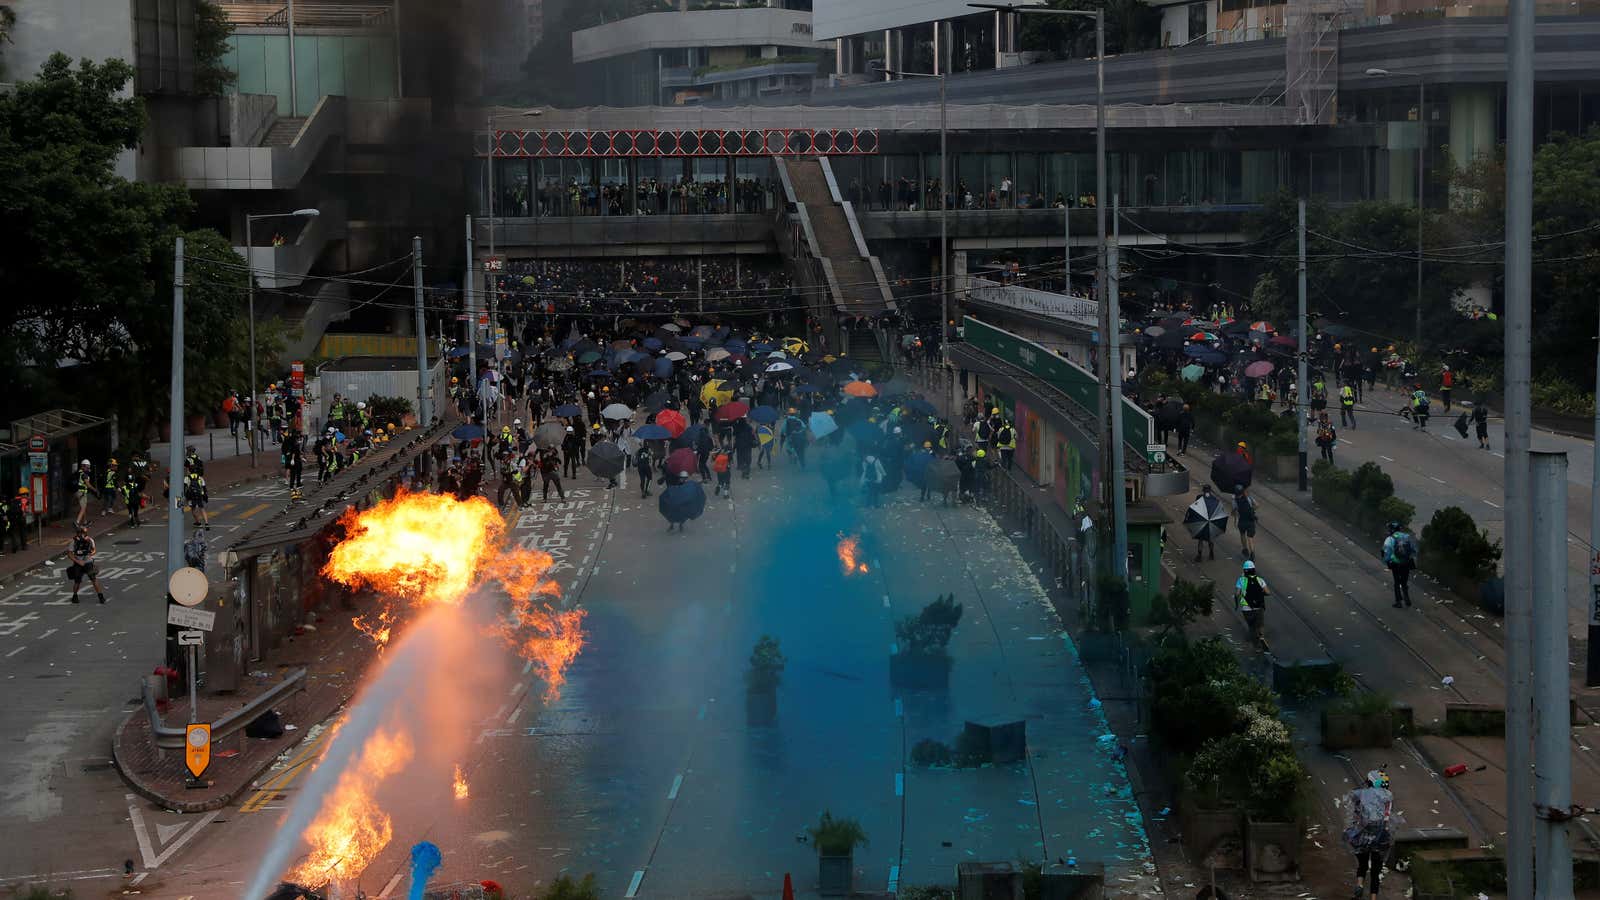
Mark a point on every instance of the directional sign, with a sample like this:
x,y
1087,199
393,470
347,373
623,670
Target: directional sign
x,y
197,748
38,444
494,264
191,638
188,586
197,619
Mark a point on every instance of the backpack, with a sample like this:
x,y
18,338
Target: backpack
x,y
1404,552
1253,594
720,463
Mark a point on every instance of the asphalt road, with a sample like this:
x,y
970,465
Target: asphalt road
x,y
71,672
646,770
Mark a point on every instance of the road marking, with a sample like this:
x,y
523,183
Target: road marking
x,y
253,510
1435,478
894,879
15,652
389,888
48,633
677,782
885,601
899,784
702,715
515,715
272,788
1381,456
518,688
1492,503
151,860
76,617
633,886
528,667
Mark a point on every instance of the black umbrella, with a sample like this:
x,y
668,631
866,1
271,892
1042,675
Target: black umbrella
x,y
681,502
1461,424
1206,517
657,401
1170,340
605,459
1231,471
943,476
1167,414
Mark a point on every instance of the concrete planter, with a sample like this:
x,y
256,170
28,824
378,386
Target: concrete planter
x,y
1205,829
761,706
1272,850
925,671
194,425
1280,468
835,875
1345,731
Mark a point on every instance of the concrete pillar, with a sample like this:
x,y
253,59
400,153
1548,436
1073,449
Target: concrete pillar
x,y
889,60
838,56
938,35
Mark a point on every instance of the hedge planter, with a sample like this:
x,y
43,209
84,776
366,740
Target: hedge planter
x,y
922,671
1280,467
1205,829
761,707
1272,850
836,875
1348,731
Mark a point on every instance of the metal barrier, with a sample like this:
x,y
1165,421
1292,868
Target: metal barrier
x,y
168,738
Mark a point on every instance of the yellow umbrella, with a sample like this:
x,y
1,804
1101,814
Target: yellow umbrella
x,y
795,346
718,390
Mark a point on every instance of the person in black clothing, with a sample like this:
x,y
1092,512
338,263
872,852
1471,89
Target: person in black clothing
x,y
744,441
571,452
471,478
1480,420
550,472
83,565
702,449
646,468
1185,426
17,521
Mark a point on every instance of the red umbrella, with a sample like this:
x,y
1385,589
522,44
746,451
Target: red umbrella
x,y
682,460
1283,340
727,412
672,420
1259,369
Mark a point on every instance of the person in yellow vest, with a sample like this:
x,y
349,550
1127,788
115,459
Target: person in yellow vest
x,y
1005,440
1347,406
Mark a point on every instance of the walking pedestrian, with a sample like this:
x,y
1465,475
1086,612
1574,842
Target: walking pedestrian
x,y
83,490
196,495
1202,543
1005,440
1347,405
1185,428
872,475
645,466
550,473
1400,555
110,487
1447,380
1419,408
1326,437
82,564
17,520
571,452
1250,591
722,464
1244,509
1369,832
1480,421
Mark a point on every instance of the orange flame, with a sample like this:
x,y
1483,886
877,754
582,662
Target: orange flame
x,y
351,829
459,784
849,555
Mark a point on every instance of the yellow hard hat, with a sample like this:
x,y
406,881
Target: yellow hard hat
x,y
982,453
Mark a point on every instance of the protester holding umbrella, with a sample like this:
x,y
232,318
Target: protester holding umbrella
x,y
1205,518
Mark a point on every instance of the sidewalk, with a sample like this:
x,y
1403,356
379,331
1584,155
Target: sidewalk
x,y
221,474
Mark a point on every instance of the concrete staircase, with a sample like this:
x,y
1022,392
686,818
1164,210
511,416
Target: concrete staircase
x,y
859,291
283,131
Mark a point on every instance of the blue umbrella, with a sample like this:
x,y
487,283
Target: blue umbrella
x,y
919,405
689,437
458,352
917,466
762,348
651,343
600,373
765,415
681,502
651,432
806,389
467,432
1205,355
628,356
866,434
567,410
663,367
822,425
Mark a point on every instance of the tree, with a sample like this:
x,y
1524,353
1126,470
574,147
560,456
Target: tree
x,y
8,20
212,29
1131,25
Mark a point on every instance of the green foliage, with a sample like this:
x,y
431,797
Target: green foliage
x,y
1196,692
565,887
929,753
1254,766
929,632
1454,546
384,410
1393,509
8,20
836,837
926,892
1364,498
766,665
1130,26
1369,483
1363,703
1553,392
1268,300
211,33
1187,602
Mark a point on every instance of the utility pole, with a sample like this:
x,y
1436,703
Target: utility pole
x,y
1300,370
1119,490
1592,670
1552,762
1106,322
424,406
472,319
1066,246
175,416
1518,499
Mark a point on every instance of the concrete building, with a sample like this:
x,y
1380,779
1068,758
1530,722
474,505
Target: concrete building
x,y
681,56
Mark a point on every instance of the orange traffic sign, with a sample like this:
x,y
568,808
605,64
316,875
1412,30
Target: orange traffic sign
x,y
197,748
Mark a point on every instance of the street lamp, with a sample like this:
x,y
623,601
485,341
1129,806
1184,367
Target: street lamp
x,y
1110,317
944,222
249,251
490,277
1422,145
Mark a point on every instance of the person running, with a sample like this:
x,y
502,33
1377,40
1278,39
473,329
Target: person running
x,y
645,465
195,493
1480,421
1400,555
1447,380
1419,408
83,566
872,476
1327,437
1251,593
1244,508
722,464
1347,405
1369,831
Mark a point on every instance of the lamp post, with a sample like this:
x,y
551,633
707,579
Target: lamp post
x,y
944,220
1110,317
1422,146
490,277
249,251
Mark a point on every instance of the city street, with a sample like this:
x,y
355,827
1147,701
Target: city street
x,y
646,771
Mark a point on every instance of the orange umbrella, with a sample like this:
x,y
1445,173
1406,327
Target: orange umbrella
x,y
672,420
860,389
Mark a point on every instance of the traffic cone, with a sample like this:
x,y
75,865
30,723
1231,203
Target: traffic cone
x,y
788,887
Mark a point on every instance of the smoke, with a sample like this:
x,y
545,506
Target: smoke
x,y
425,860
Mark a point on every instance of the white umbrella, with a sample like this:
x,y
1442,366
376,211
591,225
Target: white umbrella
x,y
672,327
716,353
780,367
1206,517
617,411
675,356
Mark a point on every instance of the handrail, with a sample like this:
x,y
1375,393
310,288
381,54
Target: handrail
x,y
168,738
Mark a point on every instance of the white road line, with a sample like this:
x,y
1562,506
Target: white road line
x,y
1437,479
76,617
141,835
701,717
885,601
501,711
389,888
1381,456
518,688
515,715
633,886
1492,503
899,784
899,709
15,652
48,633
894,879
677,782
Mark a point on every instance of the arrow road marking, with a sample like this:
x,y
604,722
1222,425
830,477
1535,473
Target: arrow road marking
x,y
181,834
